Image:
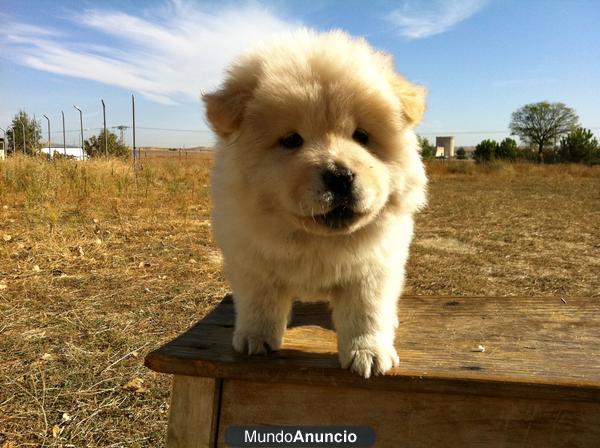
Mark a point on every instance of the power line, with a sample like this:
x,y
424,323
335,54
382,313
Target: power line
x,y
505,131
140,127
174,130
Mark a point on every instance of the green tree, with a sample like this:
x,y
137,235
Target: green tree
x,y
94,146
507,149
579,146
542,123
485,151
24,134
427,149
461,154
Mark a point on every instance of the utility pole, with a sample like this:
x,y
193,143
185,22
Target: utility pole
x,y
133,114
105,136
24,144
49,148
35,136
64,136
81,126
122,128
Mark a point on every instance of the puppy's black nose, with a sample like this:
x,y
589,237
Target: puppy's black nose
x,y
339,180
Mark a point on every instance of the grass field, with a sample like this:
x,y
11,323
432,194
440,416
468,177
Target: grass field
x,y
99,265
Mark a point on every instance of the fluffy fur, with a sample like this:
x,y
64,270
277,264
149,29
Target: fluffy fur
x,y
269,200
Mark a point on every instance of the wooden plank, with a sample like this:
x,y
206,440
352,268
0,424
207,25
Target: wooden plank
x,y
414,419
534,347
193,413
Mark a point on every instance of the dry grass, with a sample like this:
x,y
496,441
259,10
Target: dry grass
x,y
191,155
508,229
98,266
101,266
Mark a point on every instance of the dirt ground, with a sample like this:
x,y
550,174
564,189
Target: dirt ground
x,y
99,265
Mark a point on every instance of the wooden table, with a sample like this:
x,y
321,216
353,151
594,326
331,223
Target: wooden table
x,y
537,384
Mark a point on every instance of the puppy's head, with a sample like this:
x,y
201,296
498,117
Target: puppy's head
x,y
317,129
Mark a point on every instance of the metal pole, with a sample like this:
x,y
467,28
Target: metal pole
x,y
81,126
64,135
133,114
3,141
24,144
105,138
49,148
34,145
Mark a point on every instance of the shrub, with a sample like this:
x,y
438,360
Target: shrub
x,y
580,146
95,147
427,149
530,154
507,149
461,154
485,151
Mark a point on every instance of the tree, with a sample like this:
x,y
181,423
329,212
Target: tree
x,y
94,146
507,149
485,151
461,154
579,146
542,123
427,149
23,124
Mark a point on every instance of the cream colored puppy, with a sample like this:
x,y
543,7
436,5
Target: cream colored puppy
x,y
316,179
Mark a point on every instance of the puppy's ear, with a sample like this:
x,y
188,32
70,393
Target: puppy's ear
x,y
412,98
225,107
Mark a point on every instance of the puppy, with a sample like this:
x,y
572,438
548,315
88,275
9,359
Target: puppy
x,y
316,178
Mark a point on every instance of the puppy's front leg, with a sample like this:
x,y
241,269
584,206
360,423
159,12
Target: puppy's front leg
x,y
261,317
364,314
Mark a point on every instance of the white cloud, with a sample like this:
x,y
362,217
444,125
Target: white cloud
x,y
166,54
419,19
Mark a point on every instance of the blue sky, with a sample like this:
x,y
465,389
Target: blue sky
x,y
480,60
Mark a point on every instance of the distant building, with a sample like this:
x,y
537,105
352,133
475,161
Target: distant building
x,y
2,150
72,152
444,147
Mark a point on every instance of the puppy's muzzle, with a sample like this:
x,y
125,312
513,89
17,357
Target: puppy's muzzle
x,y
339,180
339,184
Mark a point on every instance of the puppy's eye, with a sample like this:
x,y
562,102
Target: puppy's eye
x,y
292,141
360,136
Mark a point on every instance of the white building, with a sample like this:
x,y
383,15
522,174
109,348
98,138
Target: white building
x,y
72,152
444,147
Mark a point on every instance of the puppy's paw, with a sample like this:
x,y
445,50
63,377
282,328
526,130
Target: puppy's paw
x,y
254,343
369,359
